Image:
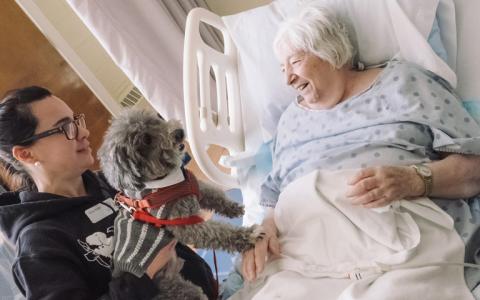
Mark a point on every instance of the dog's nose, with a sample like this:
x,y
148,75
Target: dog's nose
x,y
179,135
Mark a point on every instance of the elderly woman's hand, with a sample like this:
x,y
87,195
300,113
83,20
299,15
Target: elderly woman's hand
x,y
253,260
378,186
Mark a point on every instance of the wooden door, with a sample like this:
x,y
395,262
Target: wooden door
x,y
27,58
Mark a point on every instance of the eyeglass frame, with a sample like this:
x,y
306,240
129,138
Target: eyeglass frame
x,y
56,130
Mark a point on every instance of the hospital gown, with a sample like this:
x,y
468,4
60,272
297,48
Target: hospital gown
x,y
406,117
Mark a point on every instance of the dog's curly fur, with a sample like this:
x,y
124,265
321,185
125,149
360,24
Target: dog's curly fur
x,y
140,146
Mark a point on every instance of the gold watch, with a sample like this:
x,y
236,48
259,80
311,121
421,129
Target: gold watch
x,y
426,175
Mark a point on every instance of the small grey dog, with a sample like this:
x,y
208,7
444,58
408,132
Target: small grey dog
x,y
139,148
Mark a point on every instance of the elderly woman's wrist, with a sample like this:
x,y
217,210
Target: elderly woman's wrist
x,y
417,186
269,226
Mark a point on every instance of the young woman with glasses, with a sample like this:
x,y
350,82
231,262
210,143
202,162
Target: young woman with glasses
x,y
61,221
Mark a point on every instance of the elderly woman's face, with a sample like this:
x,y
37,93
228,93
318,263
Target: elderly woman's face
x,y
311,76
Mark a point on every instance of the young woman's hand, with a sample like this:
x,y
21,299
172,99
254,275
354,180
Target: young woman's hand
x,y
254,259
162,258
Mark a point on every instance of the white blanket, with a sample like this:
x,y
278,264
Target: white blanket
x,y
333,250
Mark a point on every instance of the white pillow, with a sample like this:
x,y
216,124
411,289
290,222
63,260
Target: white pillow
x,y
261,81
376,38
468,64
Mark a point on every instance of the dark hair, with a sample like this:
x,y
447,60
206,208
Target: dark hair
x,y
17,123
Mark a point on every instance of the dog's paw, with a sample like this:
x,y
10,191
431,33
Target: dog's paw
x,y
257,233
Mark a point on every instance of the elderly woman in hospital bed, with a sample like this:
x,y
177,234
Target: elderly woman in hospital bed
x,y
355,157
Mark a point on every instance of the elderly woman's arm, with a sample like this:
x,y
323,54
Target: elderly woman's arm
x,y
460,179
455,176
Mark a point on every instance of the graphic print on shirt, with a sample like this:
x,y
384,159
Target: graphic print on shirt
x,y
98,247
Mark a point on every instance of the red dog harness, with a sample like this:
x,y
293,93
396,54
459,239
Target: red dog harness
x,y
139,207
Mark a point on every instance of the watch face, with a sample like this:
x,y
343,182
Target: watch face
x,y
425,171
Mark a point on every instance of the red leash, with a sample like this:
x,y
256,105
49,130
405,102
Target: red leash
x,y
216,285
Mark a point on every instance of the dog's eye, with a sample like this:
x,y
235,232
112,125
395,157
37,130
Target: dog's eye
x,y
178,135
147,139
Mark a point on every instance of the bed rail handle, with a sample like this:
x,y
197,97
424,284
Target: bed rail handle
x,y
243,160
227,130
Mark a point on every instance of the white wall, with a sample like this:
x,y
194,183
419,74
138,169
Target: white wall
x,y
74,41
77,35
228,7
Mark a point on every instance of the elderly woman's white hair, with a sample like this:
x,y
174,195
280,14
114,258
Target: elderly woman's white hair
x,y
319,31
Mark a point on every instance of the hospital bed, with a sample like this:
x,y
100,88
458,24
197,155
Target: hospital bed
x,y
239,110
239,113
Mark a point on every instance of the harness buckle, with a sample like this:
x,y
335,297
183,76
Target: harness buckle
x,y
130,209
118,202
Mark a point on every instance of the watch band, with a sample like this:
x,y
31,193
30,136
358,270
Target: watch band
x,y
426,175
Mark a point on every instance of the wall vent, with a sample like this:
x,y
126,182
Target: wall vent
x,y
133,97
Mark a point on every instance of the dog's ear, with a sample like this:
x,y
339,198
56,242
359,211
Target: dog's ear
x,y
122,173
130,168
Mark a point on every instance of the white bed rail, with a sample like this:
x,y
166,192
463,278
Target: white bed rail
x,y
205,126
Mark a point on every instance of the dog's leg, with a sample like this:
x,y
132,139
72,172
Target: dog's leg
x,y
215,199
217,235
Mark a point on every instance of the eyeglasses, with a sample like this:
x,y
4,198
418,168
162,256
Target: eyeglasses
x,y
70,129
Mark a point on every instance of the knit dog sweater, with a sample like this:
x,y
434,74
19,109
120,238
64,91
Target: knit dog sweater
x,y
137,243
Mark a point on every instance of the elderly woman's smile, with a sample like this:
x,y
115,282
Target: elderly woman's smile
x,y
319,84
